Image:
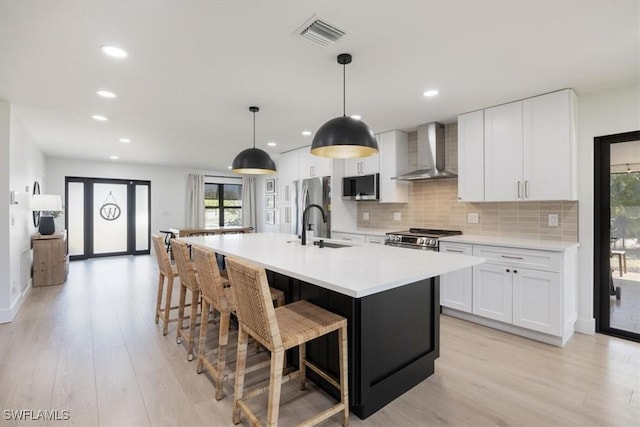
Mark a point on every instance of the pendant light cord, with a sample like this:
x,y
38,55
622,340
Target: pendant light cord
x,y
344,91
254,129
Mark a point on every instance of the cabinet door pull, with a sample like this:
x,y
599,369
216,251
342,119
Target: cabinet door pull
x,y
511,257
460,251
508,271
515,271
526,189
519,190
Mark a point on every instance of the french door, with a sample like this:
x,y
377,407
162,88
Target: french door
x,y
107,217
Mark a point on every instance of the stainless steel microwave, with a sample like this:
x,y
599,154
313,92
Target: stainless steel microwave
x,y
363,187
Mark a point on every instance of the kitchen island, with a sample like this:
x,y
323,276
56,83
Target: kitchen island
x,y
390,297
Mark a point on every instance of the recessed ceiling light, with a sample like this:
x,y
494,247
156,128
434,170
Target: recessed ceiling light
x,y
114,157
356,117
125,140
106,94
431,92
114,51
99,118
306,132
271,144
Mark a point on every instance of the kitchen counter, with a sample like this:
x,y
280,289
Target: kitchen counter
x,y
365,231
355,271
390,297
512,242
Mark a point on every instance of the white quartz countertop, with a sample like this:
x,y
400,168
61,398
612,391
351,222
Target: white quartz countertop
x,y
356,271
512,242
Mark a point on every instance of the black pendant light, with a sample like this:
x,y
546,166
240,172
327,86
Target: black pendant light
x,y
253,161
344,137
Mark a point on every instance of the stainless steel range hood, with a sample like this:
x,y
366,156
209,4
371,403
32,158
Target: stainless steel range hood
x,y
431,155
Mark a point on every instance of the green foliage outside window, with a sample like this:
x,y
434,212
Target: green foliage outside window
x,y
223,204
625,205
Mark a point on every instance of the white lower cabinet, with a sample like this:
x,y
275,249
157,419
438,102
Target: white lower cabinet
x,y
456,288
348,237
523,291
370,238
536,300
493,292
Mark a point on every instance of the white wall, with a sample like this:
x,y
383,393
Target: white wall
x,y
602,113
5,287
168,185
25,164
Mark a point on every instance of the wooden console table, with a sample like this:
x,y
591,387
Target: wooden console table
x,y
50,259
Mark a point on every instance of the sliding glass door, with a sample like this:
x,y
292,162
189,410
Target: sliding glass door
x,y
106,217
617,235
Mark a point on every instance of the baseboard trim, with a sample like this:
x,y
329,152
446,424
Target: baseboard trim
x,y
8,314
512,329
586,326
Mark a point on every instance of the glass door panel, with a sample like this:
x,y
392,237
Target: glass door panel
x,y
142,217
109,218
75,218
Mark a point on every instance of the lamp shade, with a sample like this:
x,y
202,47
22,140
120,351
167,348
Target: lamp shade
x,y
344,138
253,161
46,202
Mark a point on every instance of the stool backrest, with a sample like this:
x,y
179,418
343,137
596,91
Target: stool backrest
x,y
164,264
254,306
211,284
183,262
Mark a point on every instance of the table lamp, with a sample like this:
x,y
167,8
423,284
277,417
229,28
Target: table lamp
x,y
46,204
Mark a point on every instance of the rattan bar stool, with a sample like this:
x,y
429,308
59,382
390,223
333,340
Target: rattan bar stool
x,y
188,281
279,329
217,297
168,272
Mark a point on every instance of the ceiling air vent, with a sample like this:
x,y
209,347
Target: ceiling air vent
x,y
320,32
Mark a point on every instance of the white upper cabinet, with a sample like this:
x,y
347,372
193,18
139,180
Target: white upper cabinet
x,y
530,149
394,161
363,165
549,146
503,152
471,156
311,166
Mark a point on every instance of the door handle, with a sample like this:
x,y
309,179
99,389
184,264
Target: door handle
x,y
455,250
511,257
519,190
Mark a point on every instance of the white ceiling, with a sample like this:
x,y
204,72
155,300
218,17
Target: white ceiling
x,y
196,66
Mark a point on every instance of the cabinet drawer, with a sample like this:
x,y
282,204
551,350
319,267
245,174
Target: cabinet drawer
x,y
378,240
530,258
349,237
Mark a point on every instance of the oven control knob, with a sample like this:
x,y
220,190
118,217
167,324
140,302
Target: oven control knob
x,y
397,238
431,242
421,241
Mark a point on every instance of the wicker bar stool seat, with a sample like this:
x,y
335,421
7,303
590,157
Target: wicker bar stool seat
x,y
188,281
279,329
217,298
167,272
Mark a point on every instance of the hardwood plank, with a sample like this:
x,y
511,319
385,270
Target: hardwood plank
x,y
91,346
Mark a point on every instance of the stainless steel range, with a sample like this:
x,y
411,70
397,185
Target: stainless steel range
x,y
418,238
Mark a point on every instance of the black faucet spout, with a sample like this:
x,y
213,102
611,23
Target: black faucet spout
x,y
305,220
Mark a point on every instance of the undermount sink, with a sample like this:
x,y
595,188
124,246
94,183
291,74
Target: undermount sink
x,y
325,244
334,245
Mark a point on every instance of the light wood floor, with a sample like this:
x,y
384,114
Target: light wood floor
x,y
91,347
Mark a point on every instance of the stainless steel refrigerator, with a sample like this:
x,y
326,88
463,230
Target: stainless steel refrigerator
x,y
312,191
